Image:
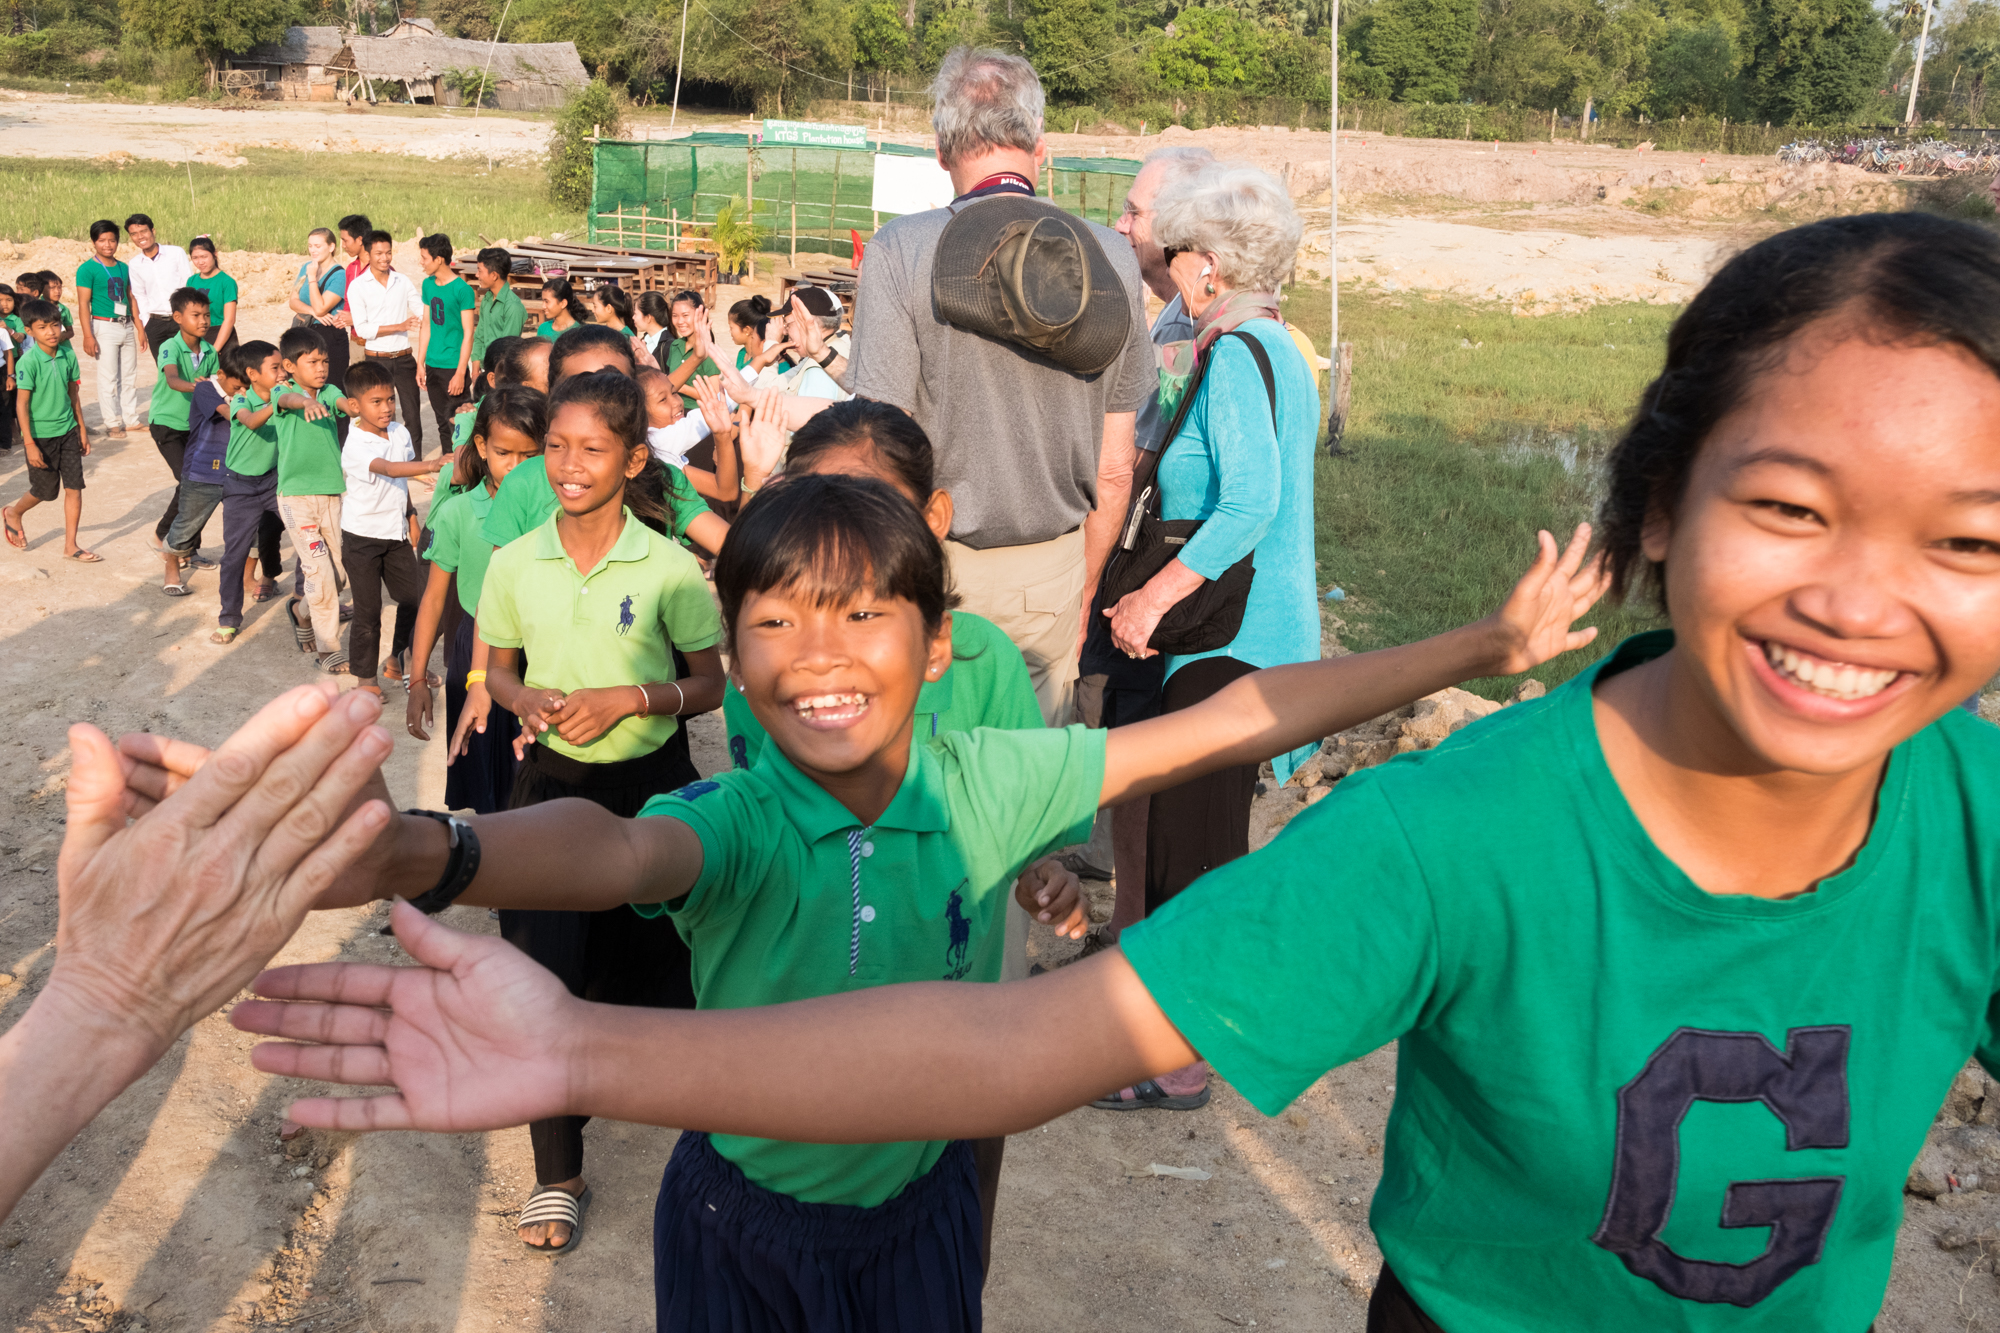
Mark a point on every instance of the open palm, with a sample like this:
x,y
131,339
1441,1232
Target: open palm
x,y
1534,623
478,1037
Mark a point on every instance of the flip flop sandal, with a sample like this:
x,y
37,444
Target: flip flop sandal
x,y
303,633
549,1204
83,557
197,562
334,663
346,614
265,592
224,636
17,535
174,589
1149,1096
392,667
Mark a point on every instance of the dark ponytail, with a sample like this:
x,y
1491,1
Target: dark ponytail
x,y
753,313
620,404
611,294
516,406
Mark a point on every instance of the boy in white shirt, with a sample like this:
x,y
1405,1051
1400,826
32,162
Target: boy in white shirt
x,y
374,522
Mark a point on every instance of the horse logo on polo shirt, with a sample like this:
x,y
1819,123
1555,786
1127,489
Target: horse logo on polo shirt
x,y
625,618
957,955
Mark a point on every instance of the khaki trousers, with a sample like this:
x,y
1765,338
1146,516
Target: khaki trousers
x,y
1035,595
313,521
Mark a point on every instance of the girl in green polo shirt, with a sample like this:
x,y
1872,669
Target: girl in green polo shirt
x,y
1679,960
507,428
599,600
610,306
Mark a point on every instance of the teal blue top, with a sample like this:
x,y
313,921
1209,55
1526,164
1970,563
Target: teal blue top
x,y
1252,487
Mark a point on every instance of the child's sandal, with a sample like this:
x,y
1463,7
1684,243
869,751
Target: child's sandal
x,y
549,1204
334,663
302,633
174,589
224,636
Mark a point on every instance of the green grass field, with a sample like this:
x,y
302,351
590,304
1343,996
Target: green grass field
x,y
274,201
1470,429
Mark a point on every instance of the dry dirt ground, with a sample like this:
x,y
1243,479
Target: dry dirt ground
x,y
181,1209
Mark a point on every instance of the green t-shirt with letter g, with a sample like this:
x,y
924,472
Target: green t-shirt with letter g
x,y
170,405
617,624
309,451
251,453
110,289
986,685
773,917
46,380
221,289
444,303
1621,1102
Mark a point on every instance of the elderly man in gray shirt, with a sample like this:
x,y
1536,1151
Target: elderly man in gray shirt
x,y
1038,459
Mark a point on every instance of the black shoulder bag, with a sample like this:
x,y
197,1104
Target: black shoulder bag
x,y
1210,616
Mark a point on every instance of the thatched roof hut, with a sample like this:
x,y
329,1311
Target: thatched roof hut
x,y
524,75
293,68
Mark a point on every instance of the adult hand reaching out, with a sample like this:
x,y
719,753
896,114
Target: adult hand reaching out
x,y
163,920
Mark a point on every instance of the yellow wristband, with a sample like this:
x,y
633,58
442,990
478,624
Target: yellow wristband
x,y
475,678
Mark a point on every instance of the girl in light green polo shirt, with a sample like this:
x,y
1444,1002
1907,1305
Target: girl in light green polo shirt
x,y
599,600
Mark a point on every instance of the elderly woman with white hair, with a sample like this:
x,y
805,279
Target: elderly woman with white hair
x,y
1240,462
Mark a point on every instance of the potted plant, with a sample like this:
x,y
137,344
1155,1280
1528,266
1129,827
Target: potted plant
x,y
735,235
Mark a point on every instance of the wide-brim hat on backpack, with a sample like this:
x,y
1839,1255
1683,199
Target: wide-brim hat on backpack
x,y
1021,269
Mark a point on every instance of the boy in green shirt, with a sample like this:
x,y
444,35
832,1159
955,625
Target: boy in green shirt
x,y
184,361
250,481
445,336
855,853
310,484
49,406
499,313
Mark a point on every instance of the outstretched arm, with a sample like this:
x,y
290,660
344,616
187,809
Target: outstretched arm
x,y
570,855
1281,708
480,1037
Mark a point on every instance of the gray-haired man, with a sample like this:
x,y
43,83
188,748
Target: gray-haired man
x,y
1038,459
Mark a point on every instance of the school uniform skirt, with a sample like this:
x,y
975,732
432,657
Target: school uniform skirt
x,y
732,1257
612,957
482,779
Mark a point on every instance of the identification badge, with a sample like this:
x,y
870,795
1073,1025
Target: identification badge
x,y
118,310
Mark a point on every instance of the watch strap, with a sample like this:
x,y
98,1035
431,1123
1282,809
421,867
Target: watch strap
x,y
459,868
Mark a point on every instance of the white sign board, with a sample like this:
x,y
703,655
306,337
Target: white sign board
x,y
910,184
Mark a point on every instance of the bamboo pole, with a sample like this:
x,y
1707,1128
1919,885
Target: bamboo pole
x,y
750,204
1343,356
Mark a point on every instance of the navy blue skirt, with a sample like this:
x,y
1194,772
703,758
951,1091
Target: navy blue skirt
x,y
732,1257
481,779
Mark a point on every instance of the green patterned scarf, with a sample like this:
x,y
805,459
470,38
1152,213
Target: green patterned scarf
x,y
1178,359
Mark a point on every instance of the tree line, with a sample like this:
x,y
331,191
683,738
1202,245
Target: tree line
x,y
1783,61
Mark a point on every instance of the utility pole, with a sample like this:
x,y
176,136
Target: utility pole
x,y
674,115
1340,378
1917,78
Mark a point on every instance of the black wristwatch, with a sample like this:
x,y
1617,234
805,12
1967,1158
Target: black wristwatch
x,y
832,355
459,867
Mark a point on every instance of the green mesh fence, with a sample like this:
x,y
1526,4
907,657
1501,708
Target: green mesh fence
x,y
646,193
